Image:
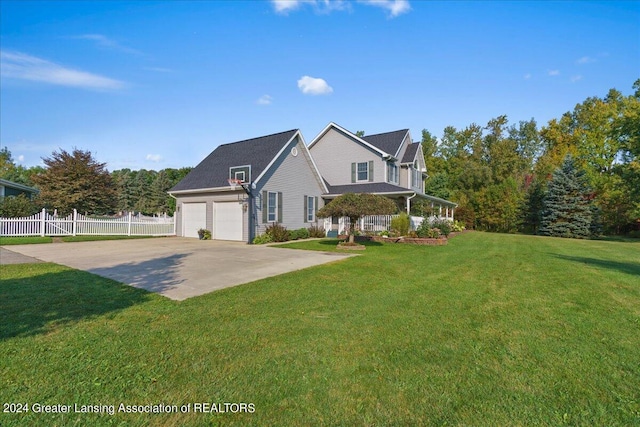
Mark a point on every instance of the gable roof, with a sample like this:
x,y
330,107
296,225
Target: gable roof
x,y
213,171
389,142
352,136
410,153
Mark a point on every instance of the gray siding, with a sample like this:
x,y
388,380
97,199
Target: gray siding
x,y
335,152
209,198
293,176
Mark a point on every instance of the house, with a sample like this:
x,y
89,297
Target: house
x,y
388,164
243,187
10,188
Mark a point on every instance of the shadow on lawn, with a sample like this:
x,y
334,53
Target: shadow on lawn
x,y
623,267
35,305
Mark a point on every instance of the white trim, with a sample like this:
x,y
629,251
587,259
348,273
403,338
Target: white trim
x,y
311,205
275,207
358,171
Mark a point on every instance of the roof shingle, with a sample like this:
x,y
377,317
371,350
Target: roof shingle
x,y
213,171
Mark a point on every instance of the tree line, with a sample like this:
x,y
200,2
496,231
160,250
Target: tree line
x,y
500,173
75,180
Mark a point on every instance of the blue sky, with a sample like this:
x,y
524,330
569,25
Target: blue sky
x,y
161,84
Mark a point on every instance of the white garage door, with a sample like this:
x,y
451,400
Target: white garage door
x,y
194,217
227,221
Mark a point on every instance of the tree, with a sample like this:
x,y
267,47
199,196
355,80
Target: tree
x,y
356,205
568,210
76,180
17,206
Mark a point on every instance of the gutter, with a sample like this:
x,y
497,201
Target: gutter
x,y
409,203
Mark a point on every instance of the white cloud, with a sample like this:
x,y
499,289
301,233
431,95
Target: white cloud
x,y
16,65
21,158
314,86
576,78
394,7
554,72
154,157
585,60
285,6
264,100
106,42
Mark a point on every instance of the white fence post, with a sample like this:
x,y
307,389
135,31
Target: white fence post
x,y
42,222
75,222
129,225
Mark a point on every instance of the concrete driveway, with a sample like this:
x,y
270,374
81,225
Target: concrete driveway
x,y
178,268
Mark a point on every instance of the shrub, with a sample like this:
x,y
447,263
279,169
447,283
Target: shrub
x,y
261,239
278,233
303,233
204,234
17,206
458,226
423,228
315,231
443,224
429,229
400,224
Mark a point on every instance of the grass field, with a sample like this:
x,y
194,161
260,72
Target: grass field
x,y
5,241
490,330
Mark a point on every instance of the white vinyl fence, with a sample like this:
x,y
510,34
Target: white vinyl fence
x,y
75,224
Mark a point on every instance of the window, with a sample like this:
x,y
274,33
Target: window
x,y
311,208
416,179
363,171
392,172
272,206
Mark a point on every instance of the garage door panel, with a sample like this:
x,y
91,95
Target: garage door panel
x,y
227,221
194,217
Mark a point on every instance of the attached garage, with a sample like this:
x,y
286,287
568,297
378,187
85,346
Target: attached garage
x,y
227,221
194,217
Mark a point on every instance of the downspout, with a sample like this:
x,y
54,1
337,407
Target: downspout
x,y
175,216
409,203
247,189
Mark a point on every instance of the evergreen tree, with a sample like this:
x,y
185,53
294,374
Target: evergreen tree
x,y
567,205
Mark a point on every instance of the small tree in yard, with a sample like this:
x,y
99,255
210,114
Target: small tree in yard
x,y
355,206
568,210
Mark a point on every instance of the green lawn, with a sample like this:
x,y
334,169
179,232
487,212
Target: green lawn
x,y
490,330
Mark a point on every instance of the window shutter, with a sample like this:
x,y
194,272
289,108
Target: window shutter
x,y
264,207
370,170
304,211
279,219
353,173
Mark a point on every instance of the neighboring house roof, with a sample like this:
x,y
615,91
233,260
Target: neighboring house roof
x,y
213,171
389,142
410,153
15,185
